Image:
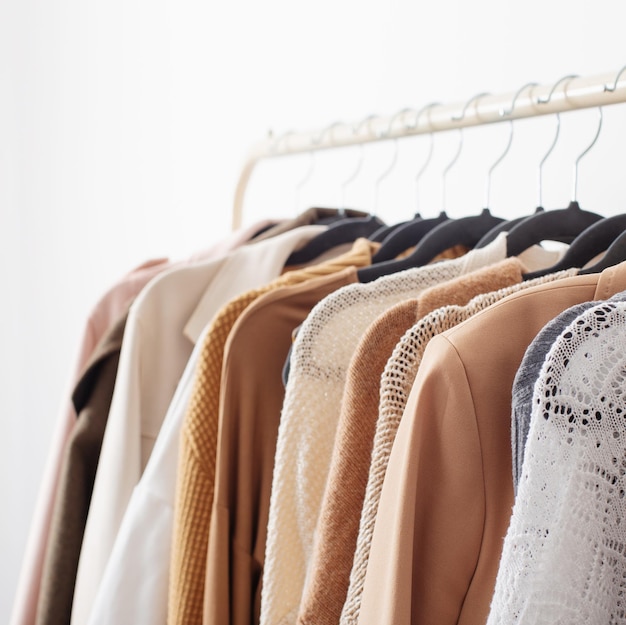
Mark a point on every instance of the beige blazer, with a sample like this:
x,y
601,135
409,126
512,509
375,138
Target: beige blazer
x,y
448,493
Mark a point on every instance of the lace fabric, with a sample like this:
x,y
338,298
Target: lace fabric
x,y
564,556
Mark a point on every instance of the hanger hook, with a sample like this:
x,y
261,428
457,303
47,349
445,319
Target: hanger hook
x,y
595,139
504,113
315,141
394,159
554,87
355,131
457,118
430,149
546,100
613,87
309,171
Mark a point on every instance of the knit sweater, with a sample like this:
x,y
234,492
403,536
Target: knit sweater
x,y
196,474
395,385
319,363
563,559
336,533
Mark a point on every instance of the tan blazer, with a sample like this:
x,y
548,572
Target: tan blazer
x,y
448,492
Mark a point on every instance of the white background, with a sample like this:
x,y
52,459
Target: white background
x,y
123,126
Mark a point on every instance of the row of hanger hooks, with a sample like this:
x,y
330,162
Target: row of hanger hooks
x,y
504,113
570,92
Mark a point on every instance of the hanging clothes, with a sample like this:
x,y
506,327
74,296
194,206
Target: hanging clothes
x,y
563,558
110,306
92,400
163,325
318,367
395,386
448,491
338,524
199,439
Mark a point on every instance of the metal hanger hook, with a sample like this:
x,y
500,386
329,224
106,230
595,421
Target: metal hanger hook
x,y
613,87
546,100
457,118
595,139
554,87
448,167
309,171
355,131
394,159
504,113
545,158
429,156
315,142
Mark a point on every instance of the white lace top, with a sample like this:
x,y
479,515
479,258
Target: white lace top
x,y
564,556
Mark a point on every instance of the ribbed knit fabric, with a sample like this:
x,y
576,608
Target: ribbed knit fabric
x,y
196,473
336,533
563,559
395,385
319,363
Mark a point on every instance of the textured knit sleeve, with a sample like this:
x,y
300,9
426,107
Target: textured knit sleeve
x,y
196,473
338,524
563,559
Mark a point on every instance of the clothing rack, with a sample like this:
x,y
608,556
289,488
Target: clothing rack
x,y
567,94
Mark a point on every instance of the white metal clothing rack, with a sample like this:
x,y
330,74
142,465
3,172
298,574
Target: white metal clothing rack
x,y
567,94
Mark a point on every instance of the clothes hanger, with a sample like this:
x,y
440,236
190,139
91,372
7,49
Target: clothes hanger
x,y
614,255
591,242
411,232
556,225
507,225
381,234
327,218
466,231
345,230
601,236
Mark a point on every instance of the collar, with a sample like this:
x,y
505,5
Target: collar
x,y
611,281
246,268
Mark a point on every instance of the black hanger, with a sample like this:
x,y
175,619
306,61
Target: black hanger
x,y
466,231
505,226
614,255
587,245
553,225
338,233
383,232
408,235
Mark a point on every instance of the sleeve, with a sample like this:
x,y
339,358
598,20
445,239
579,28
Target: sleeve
x,y
119,471
430,519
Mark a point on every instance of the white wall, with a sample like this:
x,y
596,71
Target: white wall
x,y
123,125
